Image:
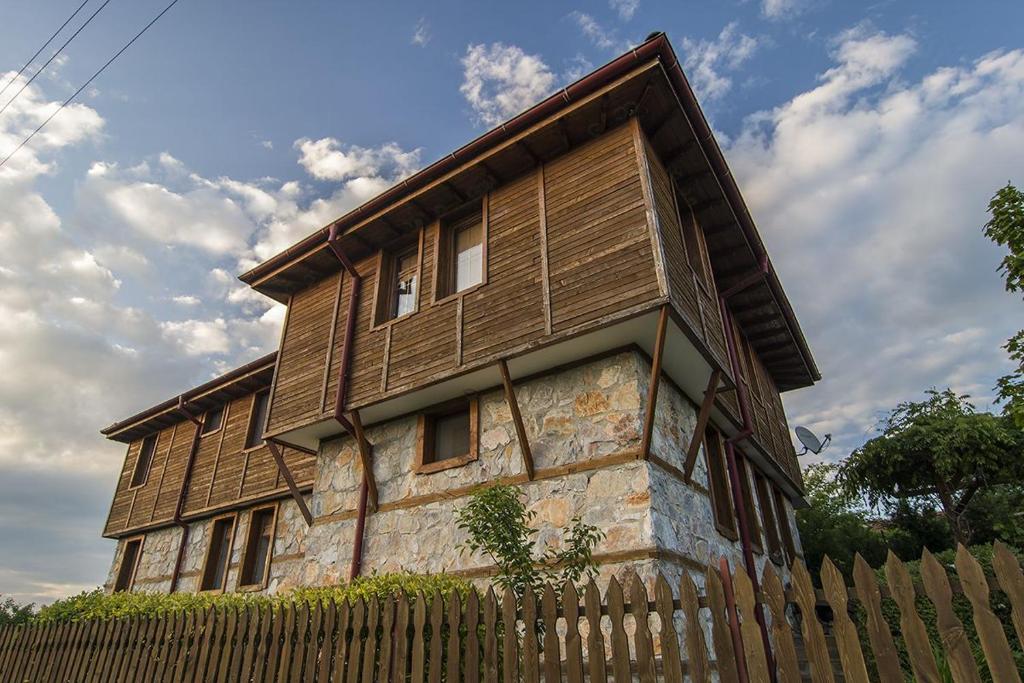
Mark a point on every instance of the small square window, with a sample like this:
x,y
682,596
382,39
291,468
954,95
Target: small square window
x,y
218,554
212,420
259,545
448,436
129,564
398,286
257,419
144,462
462,251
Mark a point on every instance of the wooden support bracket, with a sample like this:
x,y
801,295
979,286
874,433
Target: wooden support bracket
x,y
652,391
517,419
282,467
702,422
365,458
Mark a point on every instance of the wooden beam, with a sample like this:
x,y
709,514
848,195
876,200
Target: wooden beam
x,y
652,390
450,186
528,151
517,419
365,458
282,467
702,422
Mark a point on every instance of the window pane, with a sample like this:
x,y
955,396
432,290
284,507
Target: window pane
x,y
212,421
254,437
718,480
217,564
469,256
257,548
144,462
405,284
451,436
127,568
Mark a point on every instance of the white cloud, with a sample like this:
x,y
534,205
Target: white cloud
x,y
601,37
186,300
329,159
199,337
781,9
500,81
871,192
625,8
421,33
707,61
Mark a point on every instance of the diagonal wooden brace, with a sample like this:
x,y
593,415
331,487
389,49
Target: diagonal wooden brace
x,y
517,419
365,458
702,422
282,467
652,390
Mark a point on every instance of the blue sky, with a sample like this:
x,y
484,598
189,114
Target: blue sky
x,y
867,138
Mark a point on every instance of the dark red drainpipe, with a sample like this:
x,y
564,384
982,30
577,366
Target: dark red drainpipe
x,y
339,401
180,505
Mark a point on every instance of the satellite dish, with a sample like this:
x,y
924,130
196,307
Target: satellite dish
x,y
810,441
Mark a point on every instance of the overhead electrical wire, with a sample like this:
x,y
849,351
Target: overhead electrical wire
x,y
49,40
54,55
86,84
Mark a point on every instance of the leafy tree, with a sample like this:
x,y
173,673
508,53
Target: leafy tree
x,y
1006,228
498,524
13,613
941,450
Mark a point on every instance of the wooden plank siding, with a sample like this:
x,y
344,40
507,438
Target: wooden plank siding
x,y
224,474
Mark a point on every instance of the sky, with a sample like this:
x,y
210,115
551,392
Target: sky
x,y
867,138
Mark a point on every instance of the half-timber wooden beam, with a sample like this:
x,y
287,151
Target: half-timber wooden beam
x,y
282,467
652,387
365,449
702,422
517,419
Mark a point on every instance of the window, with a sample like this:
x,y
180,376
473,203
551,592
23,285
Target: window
x,y
783,518
214,416
462,251
693,238
748,504
398,283
259,544
719,483
257,418
447,436
218,554
771,529
145,460
129,564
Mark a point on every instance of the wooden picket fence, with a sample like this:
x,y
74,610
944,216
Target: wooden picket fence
x,y
554,636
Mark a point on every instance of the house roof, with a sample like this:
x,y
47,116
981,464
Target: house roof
x,y
647,82
233,384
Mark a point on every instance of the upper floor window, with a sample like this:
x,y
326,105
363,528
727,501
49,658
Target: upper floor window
x,y
257,418
215,568
693,239
214,416
447,436
398,286
258,546
462,251
145,460
129,564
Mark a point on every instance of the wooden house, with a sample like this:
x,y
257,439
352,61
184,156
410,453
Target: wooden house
x,y
577,302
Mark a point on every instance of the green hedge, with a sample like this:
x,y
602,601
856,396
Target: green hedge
x,y
97,604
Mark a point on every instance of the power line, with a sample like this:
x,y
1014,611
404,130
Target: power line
x,y
54,56
91,79
49,40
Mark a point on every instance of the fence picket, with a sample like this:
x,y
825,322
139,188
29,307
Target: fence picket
x,y
990,631
436,657
472,650
386,640
753,645
490,667
303,622
510,638
401,646
814,636
168,652
355,648
671,660
696,647
951,631
850,654
573,643
620,641
341,641
915,636
215,642
882,646
643,640
596,665
1011,580
370,645
260,648
725,653
71,633
419,620
326,644
552,656
531,660
454,638
787,669
243,635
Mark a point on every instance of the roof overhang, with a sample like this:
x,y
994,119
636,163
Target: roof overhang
x,y
646,82
236,383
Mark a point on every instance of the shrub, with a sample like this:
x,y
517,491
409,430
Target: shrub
x,y
97,604
13,613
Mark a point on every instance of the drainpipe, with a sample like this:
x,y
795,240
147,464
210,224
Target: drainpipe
x,y
339,401
180,505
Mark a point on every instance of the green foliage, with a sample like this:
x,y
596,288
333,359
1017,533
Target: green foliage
x,y
1006,228
497,524
940,448
97,604
13,613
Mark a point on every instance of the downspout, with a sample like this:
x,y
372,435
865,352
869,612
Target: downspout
x,y
339,400
180,505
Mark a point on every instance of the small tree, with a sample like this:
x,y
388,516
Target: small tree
x,y
13,613
498,524
940,448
